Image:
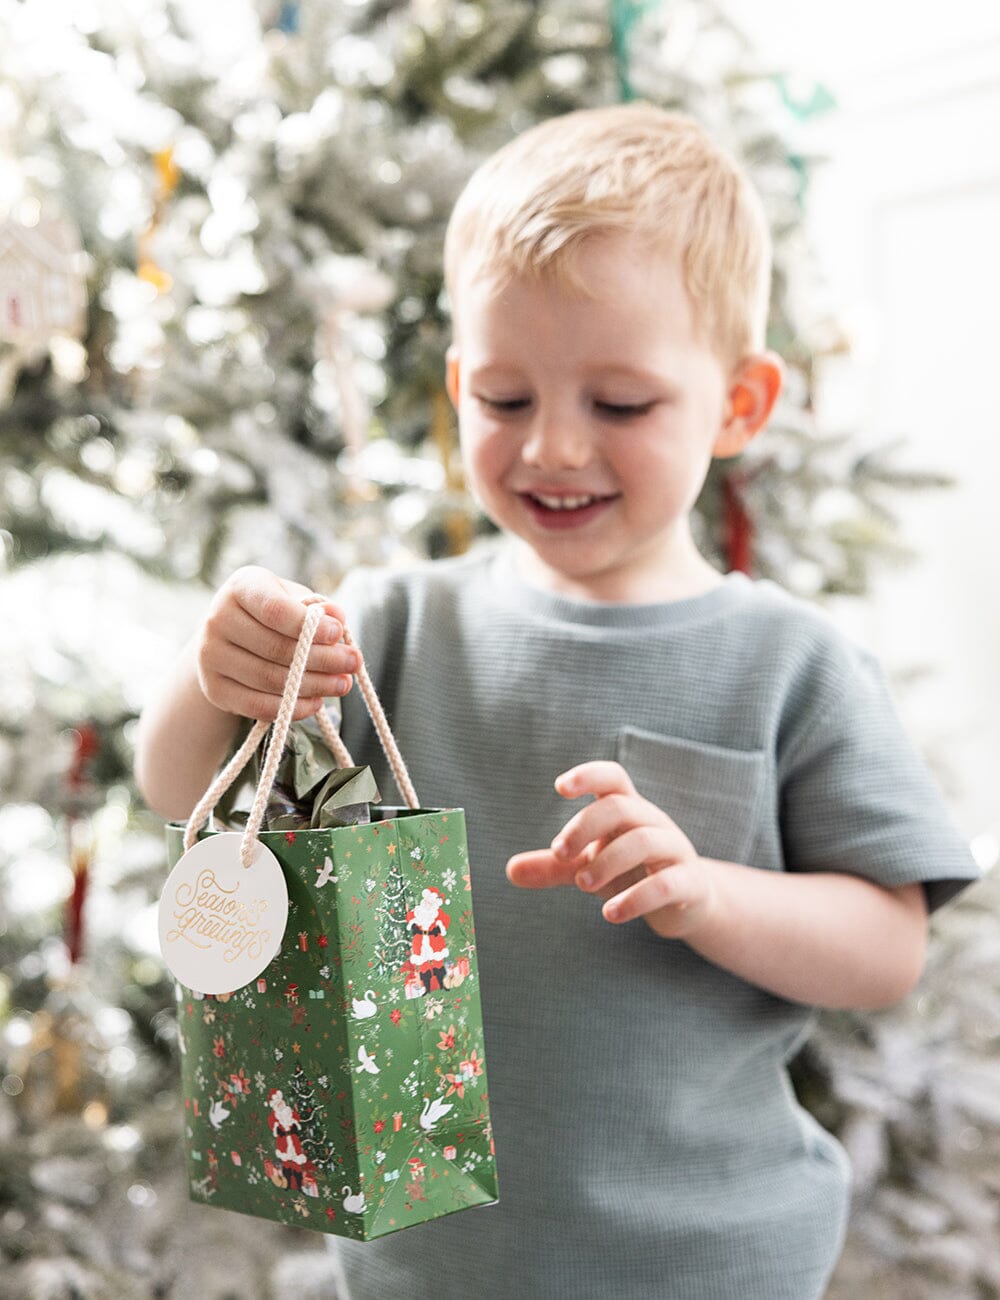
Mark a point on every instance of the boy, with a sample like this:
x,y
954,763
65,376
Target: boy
x,y
759,837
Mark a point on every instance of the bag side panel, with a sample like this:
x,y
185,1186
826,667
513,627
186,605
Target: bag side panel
x,y
269,1121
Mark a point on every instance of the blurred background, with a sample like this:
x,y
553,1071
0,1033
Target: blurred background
x,y
222,331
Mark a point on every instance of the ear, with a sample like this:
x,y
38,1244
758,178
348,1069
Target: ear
x,y
754,388
451,374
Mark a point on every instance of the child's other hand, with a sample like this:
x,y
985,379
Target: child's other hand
x,y
247,642
627,851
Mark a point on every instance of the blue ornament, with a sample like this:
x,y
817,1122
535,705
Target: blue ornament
x,y
289,18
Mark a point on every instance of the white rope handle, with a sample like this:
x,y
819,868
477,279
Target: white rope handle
x,y
279,735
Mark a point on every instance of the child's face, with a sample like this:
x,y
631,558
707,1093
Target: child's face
x,y
588,424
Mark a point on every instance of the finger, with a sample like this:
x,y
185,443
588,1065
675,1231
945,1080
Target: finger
x,y
237,627
268,678
677,888
598,777
642,846
276,603
604,819
332,610
234,698
540,869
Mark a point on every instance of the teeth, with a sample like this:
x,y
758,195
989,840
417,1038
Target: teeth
x,y
563,503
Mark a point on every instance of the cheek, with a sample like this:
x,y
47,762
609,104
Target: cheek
x,y
667,466
486,453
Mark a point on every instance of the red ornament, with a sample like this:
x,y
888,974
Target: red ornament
x,y
738,526
86,743
322,941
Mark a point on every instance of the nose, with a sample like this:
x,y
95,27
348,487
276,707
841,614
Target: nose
x,y
557,440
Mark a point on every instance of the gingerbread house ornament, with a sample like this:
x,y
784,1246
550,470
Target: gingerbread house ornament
x,y
42,288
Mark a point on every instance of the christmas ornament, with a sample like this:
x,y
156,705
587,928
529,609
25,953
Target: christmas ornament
x,y
66,1065
348,287
168,177
80,798
457,523
624,16
42,289
738,526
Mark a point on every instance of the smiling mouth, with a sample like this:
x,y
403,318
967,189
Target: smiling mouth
x,y
559,513
564,502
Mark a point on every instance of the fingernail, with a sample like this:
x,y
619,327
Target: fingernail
x,y
585,879
559,847
330,629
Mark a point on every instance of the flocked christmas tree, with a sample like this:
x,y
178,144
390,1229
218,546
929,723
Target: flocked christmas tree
x,y
394,944
222,331
311,1132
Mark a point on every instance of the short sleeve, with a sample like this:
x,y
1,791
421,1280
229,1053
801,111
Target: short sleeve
x,y
857,798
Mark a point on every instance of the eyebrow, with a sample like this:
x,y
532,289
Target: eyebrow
x,y
616,369
604,369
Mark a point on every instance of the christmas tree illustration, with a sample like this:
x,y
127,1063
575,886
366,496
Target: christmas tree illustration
x,y
312,1131
393,946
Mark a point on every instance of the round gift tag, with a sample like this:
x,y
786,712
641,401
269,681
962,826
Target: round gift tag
x,y
221,922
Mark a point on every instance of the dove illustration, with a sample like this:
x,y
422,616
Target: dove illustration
x,y
217,1113
367,1062
325,873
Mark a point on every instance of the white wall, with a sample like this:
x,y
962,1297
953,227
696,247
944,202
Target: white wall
x,y
907,221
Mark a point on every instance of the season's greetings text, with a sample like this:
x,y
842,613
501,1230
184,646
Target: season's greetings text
x,y
208,913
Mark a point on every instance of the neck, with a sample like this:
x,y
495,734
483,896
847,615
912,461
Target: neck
x,y
674,573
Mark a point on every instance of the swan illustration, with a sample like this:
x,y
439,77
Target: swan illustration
x,y
353,1204
217,1113
433,1111
362,1007
367,1062
325,873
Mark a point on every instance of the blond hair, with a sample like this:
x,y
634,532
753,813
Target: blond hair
x,y
632,168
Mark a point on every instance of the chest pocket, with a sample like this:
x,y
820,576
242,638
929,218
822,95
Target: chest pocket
x,y
715,795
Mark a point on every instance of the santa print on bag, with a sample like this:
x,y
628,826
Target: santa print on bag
x,y
428,926
284,1123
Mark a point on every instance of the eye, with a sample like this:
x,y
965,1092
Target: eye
x,y
503,404
617,411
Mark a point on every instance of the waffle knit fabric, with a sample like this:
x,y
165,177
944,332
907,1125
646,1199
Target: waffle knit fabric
x,y
648,1141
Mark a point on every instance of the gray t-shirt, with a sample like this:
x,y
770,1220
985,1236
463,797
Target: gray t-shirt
x,y
648,1140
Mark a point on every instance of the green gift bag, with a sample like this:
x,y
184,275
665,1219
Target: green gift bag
x,y
344,1088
